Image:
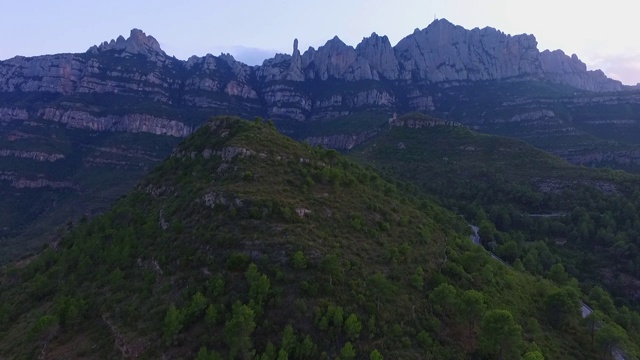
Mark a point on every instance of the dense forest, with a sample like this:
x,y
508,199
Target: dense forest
x,y
536,212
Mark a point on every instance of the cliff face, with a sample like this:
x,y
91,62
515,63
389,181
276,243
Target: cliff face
x,y
445,52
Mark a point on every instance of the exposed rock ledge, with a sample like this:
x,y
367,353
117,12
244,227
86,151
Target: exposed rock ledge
x,y
342,141
35,184
417,123
13,114
135,123
34,155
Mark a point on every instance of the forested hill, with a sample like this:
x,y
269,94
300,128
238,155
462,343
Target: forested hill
x,y
246,244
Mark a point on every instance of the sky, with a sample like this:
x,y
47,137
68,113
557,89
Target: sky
x,y
603,35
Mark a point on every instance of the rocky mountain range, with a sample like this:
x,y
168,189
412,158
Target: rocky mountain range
x,y
78,119
440,53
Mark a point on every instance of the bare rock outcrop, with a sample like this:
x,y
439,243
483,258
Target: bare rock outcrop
x,y
379,53
129,123
446,52
560,68
420,122
336,60
138,43
13,114
23,183
33,155
342,141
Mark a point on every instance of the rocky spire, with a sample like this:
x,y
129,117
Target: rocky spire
x,y
295,69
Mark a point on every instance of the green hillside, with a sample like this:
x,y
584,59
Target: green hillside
x,y
245,244
534,210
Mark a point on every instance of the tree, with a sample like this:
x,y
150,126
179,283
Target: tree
x,y
417,279
518,265
593,321
509,251
283,355
259,285
601,300
347,352
375,355
533,355
561,309
557,274
195,308
203,354
269,352
116,278
352,327
298,260
238,330
332,267
288,340
69,310
533,328
487,232
306,349
443,298
500,336
531,262
172,324
609,337
215,286
472,307
211,316
45,327
381,287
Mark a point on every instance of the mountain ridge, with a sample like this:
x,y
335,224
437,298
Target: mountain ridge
x,y
440,52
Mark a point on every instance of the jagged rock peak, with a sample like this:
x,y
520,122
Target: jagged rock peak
x,y
447,52
379,54
335,59
335,41
240,69
137,43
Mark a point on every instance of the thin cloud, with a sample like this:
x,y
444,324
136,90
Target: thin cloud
x,y
623,67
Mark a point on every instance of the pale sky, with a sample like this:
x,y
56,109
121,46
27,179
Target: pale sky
x,y
603,34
